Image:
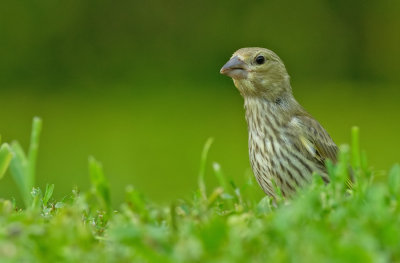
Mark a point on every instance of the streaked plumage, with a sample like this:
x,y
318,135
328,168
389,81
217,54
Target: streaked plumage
x,y
286,144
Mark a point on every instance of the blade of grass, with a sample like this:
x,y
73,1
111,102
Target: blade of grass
x,y
136,201
37,198
23,167
5,158
48,193
228,194
99,183
18,168
221,178
33,151
202,170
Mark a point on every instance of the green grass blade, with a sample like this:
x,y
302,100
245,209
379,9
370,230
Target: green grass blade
x,y
136,201
221,178
5,158
48,193
33,151
343,163
37,198
18,169
202,170
99,183
23,167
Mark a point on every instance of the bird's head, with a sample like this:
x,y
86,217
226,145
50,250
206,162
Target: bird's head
x,y
258,72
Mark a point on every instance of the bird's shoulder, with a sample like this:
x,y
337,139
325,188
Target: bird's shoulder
x,y
313,138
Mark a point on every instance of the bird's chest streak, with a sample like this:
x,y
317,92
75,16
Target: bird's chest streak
x,y
264,123
266,135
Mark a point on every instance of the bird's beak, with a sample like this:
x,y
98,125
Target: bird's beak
x,y
235,68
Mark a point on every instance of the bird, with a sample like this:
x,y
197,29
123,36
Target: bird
x,y
287,146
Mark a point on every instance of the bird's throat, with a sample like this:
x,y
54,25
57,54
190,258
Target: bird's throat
x,y
262,115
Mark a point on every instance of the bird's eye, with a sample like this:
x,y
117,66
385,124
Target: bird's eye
x,y
260,60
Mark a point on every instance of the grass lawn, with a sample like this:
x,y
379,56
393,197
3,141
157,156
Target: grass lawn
x,y
323,223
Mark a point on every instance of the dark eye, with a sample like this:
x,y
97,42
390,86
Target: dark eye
x,y
260,60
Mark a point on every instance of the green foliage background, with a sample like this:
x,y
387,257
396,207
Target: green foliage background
x,y
137,84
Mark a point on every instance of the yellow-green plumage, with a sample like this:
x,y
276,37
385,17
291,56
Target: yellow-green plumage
x,y
286,144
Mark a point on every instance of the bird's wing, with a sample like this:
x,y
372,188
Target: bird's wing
x,y
314,140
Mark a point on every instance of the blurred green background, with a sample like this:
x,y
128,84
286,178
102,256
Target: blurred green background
x,y
137,83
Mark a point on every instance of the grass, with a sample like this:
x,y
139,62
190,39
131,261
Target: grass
x,y
323,223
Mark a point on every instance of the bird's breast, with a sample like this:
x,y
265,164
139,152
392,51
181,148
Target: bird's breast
x,y
273,155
